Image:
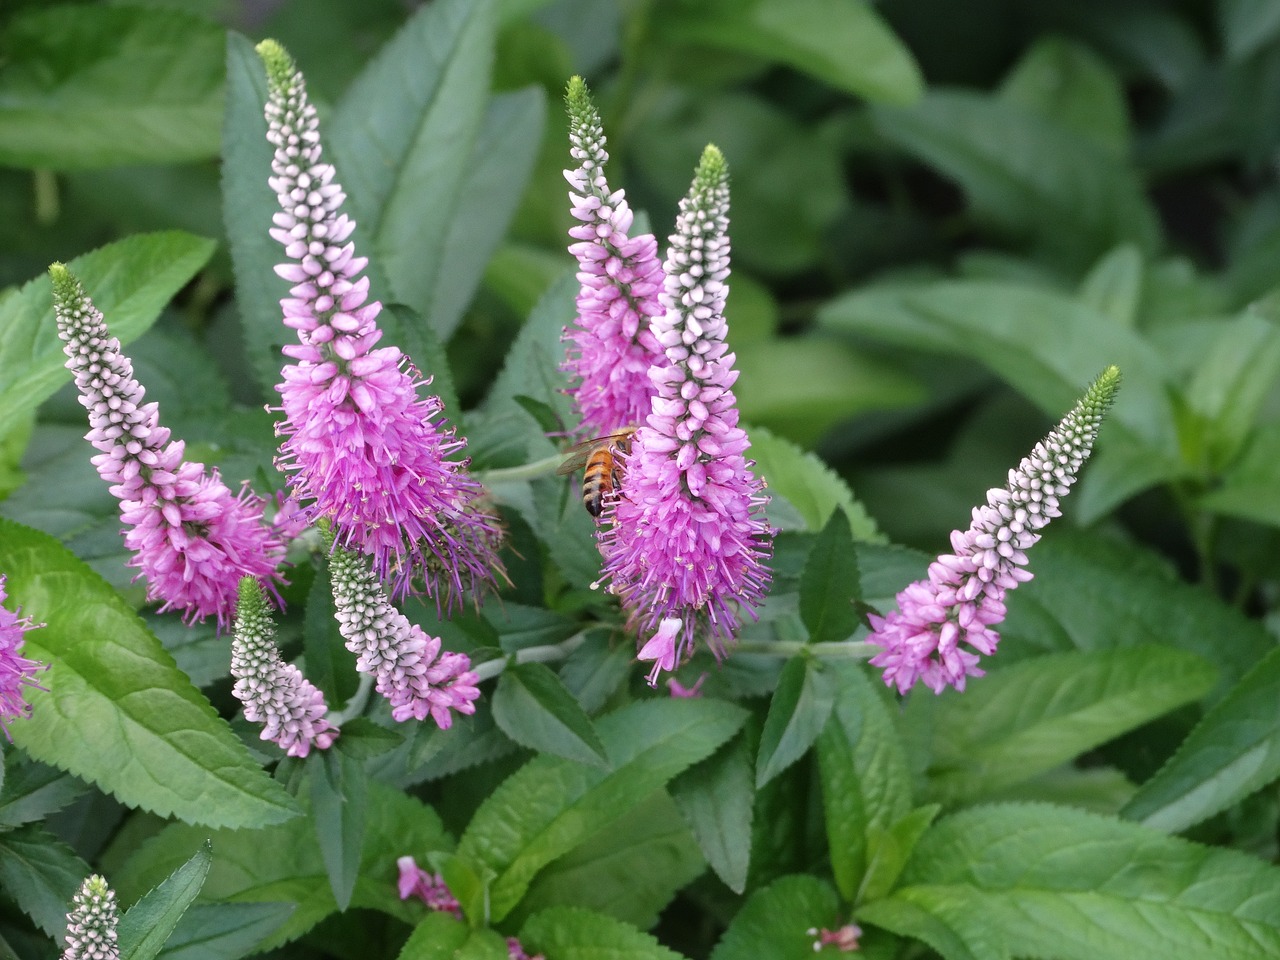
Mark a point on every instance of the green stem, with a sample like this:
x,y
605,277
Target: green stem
x,y
355,706
841,650
543,654
526,471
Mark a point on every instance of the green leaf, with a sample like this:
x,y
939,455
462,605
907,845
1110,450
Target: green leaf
x,y
146,925
1094,593
33,790
808,484
1068,83
551,805
1231,753
889,849
41,874
283,864
829,584
768,149
533,708
1250,488
531,367
866,787
1232,381
130,281
438,937
339,802
946,928
595,670
157,744
1026,177
1248,26
759,930
223,931
716,798
631,870
329,662
501,161
797,713
1114,286
248,204
1051,881
402,140
442,937
469,887
569,933
844,43
1046,345
94,86
803,386
1023,720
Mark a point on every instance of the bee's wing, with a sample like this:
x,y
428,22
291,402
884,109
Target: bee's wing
x,y
577,458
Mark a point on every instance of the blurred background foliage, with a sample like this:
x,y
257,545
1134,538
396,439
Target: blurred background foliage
x,y
941,211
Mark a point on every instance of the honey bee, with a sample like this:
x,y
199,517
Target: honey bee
x,y
603,470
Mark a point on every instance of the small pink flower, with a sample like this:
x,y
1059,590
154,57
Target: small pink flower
x,y
516,951
430,888
844,939
661,648
191,537
17,672
290,520
680,692
962,599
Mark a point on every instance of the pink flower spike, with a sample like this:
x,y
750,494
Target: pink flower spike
x,y
360,445
685,540
274,693
962,599
192,539
611,348
418,679
17,672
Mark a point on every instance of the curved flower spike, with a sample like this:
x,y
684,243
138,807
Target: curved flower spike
x,y
408,666
191,537
962,599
